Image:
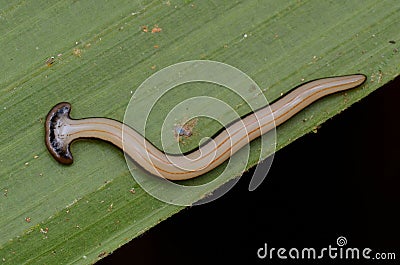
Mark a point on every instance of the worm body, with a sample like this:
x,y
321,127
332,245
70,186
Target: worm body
x,y
61,131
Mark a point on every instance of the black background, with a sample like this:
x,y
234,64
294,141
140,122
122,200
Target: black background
x,y
352,191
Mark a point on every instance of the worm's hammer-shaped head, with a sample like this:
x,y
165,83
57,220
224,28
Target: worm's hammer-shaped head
x,y
57,140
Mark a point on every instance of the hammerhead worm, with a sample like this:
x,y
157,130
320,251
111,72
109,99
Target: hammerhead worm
x,y
61,131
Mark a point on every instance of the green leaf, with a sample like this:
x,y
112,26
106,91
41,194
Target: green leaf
x,y
54,214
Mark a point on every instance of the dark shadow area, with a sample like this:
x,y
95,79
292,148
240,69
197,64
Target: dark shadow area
x,y
352,191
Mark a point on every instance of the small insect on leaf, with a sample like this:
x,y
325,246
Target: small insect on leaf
x,y
50,61
185,130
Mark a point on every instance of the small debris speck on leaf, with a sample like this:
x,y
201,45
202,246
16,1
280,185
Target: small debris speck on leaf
x,y
156,29
77,52
44,231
